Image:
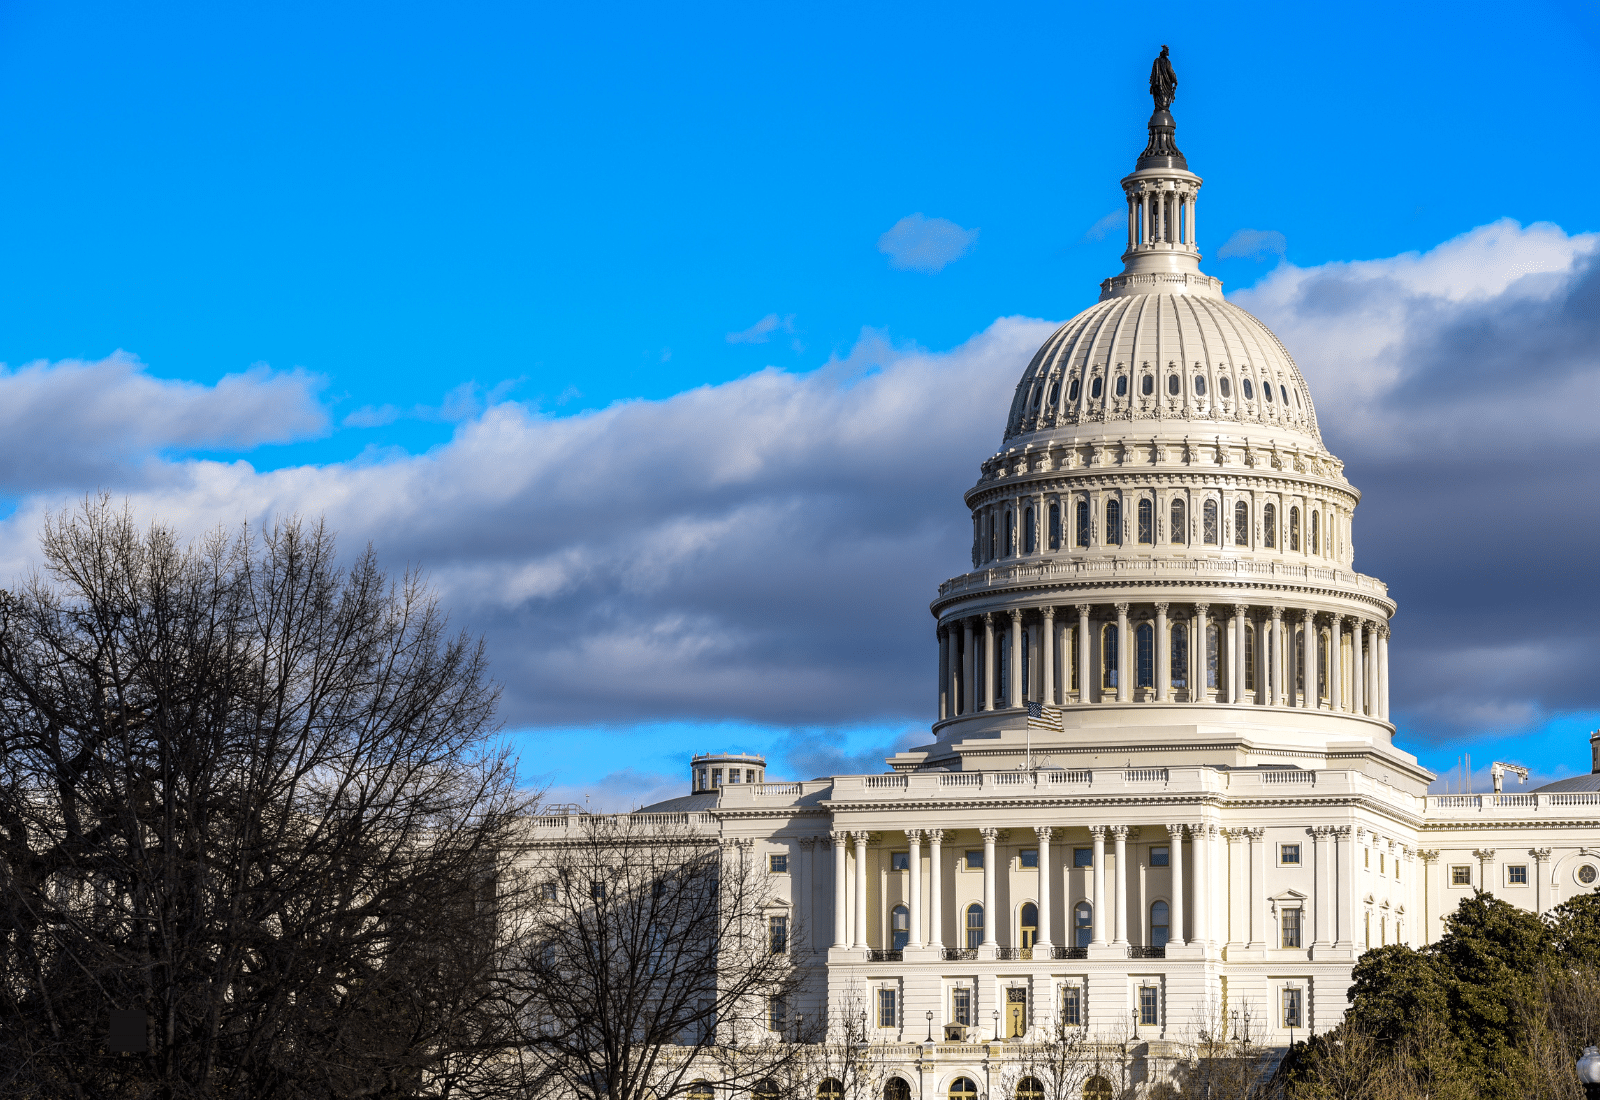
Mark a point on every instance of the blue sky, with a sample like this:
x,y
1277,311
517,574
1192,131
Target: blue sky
x,y
507,289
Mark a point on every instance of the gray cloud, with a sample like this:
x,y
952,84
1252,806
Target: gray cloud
x,y
1459,386
917,243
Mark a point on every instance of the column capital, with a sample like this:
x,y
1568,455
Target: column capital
x,y
1201,828
860,836
987,617
1321,832
1120,832
1311,615
1383,630
1540,855
808,842
1277,614
1427,855
1084,608
1341,830
1255,833
1161,608
1098,831
1049,613
1201,608
989,834
1484,855
841,836
1016,614
1122,608
914,836
1175,833
935,836
1241,609
1044,833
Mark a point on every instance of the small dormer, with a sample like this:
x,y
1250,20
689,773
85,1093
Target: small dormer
x,y
714,770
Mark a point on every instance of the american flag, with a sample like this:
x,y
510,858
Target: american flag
x,y
1041,717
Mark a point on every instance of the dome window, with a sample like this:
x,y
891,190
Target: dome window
x,y
1147,523
1199,385
1094,388
1269,521
1294,529
1224,387
1249,391
1266,391
1113,523
1173,385
1241,524
1179,526
1122,385
1148,385
1297,400
1083,522
1284,390
1072,391
1208,528
1055,392
1038,395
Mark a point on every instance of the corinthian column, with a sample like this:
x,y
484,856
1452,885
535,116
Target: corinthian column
x,y
1014,675
1199,658
989,836
1324,872
1124,689
943,701
1084,692
1383,671
935,888
1335,643
1098,832
1275,685
1175,859
1241,647
914,861
841,910
969,690
988,661
1163,656
1358,668
1047,657
1042,939
1203,888
861,889
1119,834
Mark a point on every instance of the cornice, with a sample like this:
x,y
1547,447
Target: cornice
x,y
1009,591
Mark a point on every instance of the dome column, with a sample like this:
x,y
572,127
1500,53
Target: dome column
x,y
1163,655
1383,671
1047,657
1313,698
1199,658
968,688
1335,643
1124,688
1083,653
988,661
1240,650
1276,695
944,673
1014,673
1358,667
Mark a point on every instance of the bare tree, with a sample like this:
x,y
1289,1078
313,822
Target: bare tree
x,y
656,958
1230,1063
255,800
1056,1069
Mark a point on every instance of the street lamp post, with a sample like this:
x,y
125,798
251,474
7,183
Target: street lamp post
x,y
997,1025
1136,1025
930,1025
1589,1072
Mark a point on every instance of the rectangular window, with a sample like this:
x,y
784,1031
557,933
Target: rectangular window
x,y
961,1007
1160,856
1517,874
597,890
733,775
1383,862
716,777
1083,857
705,778
886,1008
775,1013
974,859
1028,857
899,861
1147,1005
778,935
1072,1007
1461,874
749,775
548,891
1291,927
1055,526
1292,1015
1366,857
1289,855
778,865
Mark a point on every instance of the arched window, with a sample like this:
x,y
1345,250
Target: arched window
x,y
974,926
1011,543
1173,385
1028,545
1083,923
1249,657
1069,654
1113,523
1249,393
1180,655
1322,665
1266,391
700,1090
1027,639
1038,395
766,1088
1316,540
1108,656
1055,392
1145,649
1002,668
1199,385
1284,390
1147,522
900,927
1297,638
1296,392
1208,523
1029,926
1029,1088
962,1088
1055,525
1083,523
1098,1088
1224,387
1269,520
1241,524
1147,385
1094,388
1122,385
1213,646
898,1088
1160,924
831,1088
1294,529
1179,521
1072,391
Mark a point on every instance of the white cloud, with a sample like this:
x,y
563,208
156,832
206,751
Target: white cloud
x,y
1253,243
762,330
1117,219
916,243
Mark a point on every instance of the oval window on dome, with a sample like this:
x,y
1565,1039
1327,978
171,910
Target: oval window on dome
x,y
1173,385
1148,386
1122,385
1072,392
1249,394
1297,400
1038,395
1094,389
1055,392
1266,391
1284,390
1199,385
1224,387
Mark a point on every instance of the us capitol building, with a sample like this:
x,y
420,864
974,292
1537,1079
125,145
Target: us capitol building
x,y
1162,785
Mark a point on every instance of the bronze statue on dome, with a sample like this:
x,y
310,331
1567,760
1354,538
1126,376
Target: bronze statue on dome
x,y
1163,81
